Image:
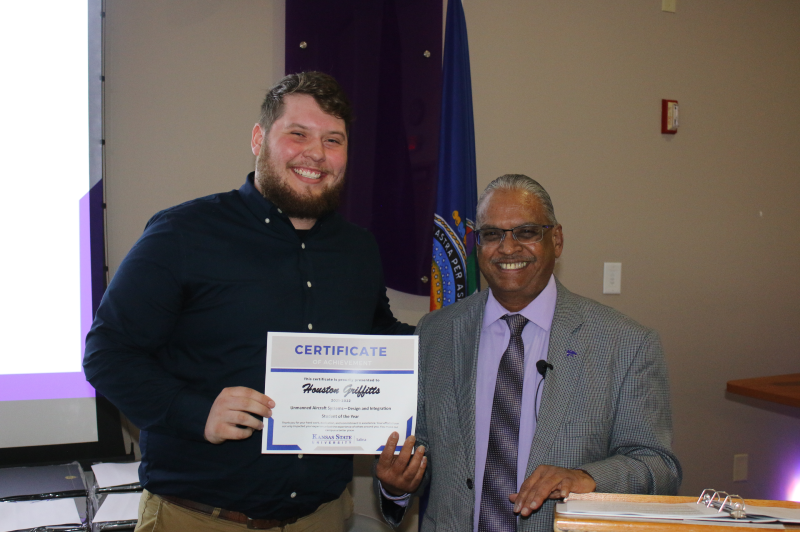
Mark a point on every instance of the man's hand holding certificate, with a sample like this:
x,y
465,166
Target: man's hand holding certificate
x,y
339,393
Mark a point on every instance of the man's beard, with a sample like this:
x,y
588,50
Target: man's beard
x,y
292,203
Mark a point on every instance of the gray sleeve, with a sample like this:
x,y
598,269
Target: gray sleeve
x,y
640,458
393,513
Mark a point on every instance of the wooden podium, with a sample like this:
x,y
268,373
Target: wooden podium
x,y
577,523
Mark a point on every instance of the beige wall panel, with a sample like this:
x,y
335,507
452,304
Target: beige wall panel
x,y
184,82
705,222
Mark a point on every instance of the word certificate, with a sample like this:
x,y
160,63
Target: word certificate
x,y
339,393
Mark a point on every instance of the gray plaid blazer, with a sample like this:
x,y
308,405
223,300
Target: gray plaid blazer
x,y
604,409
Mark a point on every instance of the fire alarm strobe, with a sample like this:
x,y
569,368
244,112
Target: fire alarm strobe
x,y
669,116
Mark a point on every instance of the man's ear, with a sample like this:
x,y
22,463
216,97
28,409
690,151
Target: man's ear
x,y
558,240
257,139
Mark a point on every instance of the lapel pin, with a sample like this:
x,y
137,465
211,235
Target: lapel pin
x,y
571,353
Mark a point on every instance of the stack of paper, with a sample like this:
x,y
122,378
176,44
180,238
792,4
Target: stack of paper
x,y
116,496
780,514
52,497
122,507
673,511
110,476
41,482
39,514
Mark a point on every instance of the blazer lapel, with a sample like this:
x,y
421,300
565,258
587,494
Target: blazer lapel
x,y
560,383
466,338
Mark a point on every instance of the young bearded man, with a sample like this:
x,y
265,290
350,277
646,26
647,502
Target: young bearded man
x,y
179,340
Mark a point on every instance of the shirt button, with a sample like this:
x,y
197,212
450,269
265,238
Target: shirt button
x,y
308,283
310,326
303,246
266,220
279,211
299,455
292,495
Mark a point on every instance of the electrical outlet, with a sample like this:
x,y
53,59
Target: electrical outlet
x,y
740,467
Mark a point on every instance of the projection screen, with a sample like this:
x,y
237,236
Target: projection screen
x,y
51,222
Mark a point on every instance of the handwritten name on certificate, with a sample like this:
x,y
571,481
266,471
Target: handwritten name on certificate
x,y
339,393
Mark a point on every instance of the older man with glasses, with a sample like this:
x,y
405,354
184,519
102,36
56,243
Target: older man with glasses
x,y
527,391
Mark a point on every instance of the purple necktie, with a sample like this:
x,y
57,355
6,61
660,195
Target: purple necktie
x,y
500,475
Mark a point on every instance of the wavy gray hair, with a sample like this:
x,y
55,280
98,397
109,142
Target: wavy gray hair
x,y
516,182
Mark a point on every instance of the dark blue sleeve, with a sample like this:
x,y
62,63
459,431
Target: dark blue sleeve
x,y
131,332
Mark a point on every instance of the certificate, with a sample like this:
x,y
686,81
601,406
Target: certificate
x,y
339,393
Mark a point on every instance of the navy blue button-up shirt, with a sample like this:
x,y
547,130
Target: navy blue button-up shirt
x,y
187,314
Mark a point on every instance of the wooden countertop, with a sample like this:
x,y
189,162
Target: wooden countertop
x,y
783,389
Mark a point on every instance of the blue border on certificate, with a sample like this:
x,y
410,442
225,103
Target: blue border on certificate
x,y
271,446
409,424
336,371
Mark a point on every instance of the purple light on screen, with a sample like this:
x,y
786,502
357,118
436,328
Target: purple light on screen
x,y
16,387
794,489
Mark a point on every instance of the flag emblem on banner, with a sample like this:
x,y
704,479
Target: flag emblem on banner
x,y
452,247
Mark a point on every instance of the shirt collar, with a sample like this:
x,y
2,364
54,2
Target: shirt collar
x,y
540,311
260,206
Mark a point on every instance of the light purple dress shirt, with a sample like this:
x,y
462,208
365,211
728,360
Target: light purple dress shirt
x,y
495,336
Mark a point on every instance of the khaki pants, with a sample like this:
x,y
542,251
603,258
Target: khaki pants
x,y
156,514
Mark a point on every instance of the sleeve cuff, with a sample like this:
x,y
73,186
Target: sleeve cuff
x,y
401,500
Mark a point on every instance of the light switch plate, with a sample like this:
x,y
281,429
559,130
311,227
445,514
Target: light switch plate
x,y
612,278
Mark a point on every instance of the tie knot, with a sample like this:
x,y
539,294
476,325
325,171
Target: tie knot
x,y
516,323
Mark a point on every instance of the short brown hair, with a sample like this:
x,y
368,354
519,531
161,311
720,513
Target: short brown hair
x,y
324,88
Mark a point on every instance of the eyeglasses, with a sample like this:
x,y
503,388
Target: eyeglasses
x,y
525,234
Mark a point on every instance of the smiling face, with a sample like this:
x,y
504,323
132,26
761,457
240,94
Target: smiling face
x,y
301,161
516,272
